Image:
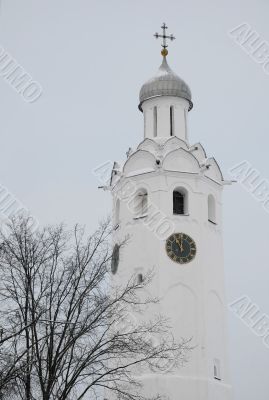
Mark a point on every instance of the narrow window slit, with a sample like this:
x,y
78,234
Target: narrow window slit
x,y
217,374
211,209
140,204
155,121
171,121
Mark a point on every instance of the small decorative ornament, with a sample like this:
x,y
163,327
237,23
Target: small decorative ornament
x,y
181,248
164,52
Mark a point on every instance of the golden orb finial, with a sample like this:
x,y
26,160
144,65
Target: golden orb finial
x,y
164,52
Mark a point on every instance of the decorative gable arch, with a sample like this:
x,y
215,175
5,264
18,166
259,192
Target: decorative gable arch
x,y
182,161
214,171
174,143
140,162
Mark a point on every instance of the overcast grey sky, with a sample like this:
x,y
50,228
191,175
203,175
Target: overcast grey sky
x,y
91,58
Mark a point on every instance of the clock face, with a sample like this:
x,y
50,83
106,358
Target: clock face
x,y
115,259
181,248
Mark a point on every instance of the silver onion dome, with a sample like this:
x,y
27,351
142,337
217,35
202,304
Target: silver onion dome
x,y
165,83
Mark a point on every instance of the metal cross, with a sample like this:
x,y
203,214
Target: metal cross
x,y
164,36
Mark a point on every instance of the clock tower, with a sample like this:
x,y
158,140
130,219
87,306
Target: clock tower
x,y
167,198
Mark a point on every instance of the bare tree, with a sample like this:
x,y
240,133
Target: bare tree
x,y
11,360
57,293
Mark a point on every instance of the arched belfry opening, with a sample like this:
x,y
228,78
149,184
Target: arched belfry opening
x,y
141,203
180,201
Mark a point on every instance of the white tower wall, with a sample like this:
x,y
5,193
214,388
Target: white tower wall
x,y
192,295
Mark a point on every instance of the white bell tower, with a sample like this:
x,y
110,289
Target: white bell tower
x,y
167,198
